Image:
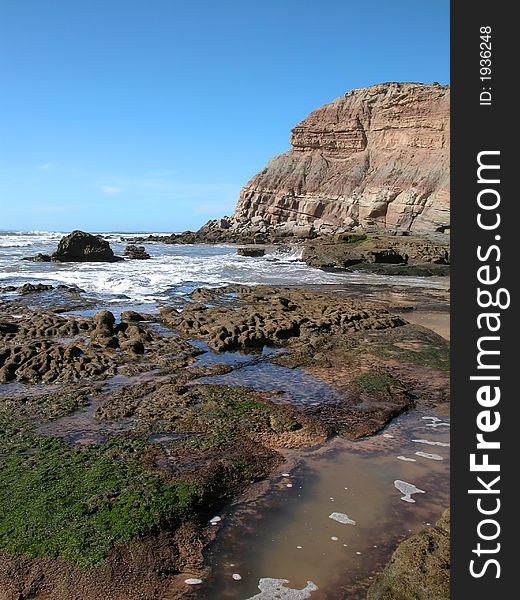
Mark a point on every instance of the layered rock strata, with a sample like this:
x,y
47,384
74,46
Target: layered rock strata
x,y
378,157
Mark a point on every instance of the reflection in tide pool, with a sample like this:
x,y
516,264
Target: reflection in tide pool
x,y
288,536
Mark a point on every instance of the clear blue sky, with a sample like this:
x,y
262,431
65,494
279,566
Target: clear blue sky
x,y
151,115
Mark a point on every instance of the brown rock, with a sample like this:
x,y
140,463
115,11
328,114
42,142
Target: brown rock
x,y
135,346
420,567
265,316
131,316
377,157
136,252
340,253
104,317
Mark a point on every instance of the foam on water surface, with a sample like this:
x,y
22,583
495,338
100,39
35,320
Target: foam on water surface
x,y
173,270
407,489
289,533
432,443
342,518
275,588
430,456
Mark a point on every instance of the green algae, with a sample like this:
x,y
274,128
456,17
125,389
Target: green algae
x,y
78,503
373,382
429,355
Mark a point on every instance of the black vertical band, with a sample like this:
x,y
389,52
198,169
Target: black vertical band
x,y
484,128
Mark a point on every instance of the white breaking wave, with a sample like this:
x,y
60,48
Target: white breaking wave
x,y
286,253
172,270
21,239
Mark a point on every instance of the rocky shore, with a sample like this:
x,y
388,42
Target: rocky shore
x,y
342,251
116,452
147,453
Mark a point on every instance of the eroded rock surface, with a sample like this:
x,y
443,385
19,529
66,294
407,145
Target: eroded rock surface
x,y
42,346
266,316
361,251
135,465
377,157
378,365
419,568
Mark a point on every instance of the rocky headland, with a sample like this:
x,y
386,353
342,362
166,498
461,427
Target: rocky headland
x,y
376,158
373,163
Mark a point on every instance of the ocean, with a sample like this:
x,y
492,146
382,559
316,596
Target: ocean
x,y
173,270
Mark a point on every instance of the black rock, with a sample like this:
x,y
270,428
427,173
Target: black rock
x,y
29,288
251,252
79,246
6,327
130,316
104,318
38,258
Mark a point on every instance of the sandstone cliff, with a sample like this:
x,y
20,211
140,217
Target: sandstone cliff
x,y
376,158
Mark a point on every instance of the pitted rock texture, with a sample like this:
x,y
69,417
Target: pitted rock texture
x,y
377,157
44,347
266,316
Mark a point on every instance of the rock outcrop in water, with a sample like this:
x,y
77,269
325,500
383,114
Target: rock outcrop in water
x,y
251,252
377,157
79,246
391,255
38,258
136,252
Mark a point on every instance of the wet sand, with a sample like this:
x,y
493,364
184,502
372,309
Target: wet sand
x,y
438,321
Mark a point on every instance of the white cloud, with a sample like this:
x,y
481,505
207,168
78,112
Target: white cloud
x,y
110,190
45,166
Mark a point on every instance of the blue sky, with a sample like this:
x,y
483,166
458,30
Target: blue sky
x,y
138,115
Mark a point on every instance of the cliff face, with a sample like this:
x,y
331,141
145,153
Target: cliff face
x,y
377,157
